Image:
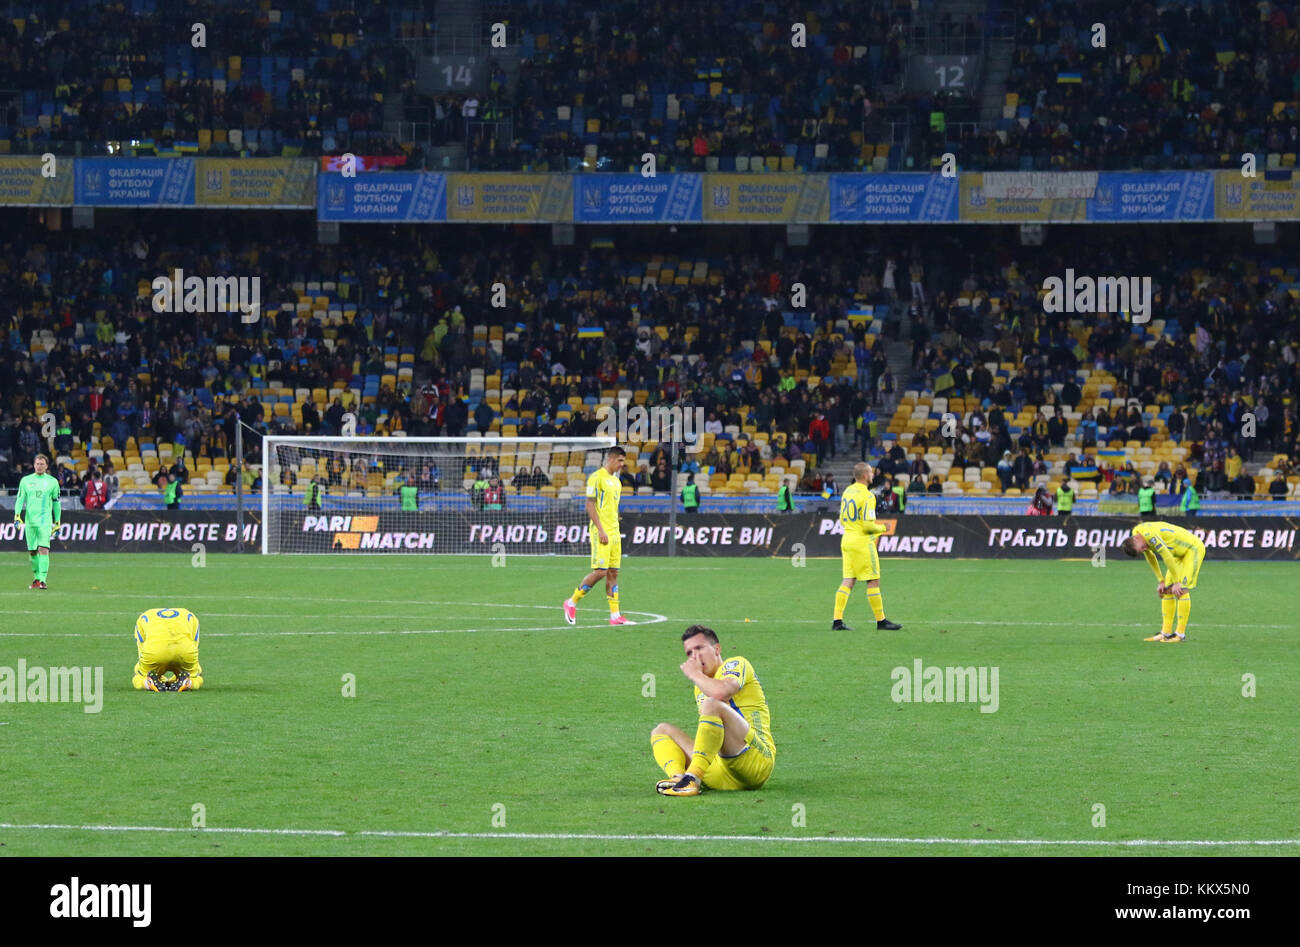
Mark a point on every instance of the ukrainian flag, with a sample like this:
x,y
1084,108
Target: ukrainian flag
x,y
591,332
1064,78
826,493
1162,42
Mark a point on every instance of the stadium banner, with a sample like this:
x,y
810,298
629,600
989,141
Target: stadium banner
x,y
1141,197
815,534
255,182
21,181
157,530
977,206
395,196
510,198
633,199
134,182
892,198
782,198
1273,195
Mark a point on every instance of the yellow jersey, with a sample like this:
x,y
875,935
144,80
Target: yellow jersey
x,y
605,489
858,515
1167,543
167,625
750,701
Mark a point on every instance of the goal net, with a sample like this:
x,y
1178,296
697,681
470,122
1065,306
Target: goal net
x,y
451,495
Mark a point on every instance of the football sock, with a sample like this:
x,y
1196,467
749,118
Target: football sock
x,y
612,598
36,566
841,601
876,602
42,567
579,592
1184,613
708,741
669,756
1167,606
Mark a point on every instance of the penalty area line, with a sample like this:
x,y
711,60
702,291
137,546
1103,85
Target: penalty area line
x,y
601,837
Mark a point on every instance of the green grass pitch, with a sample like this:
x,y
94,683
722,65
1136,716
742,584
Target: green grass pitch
x,y
476,704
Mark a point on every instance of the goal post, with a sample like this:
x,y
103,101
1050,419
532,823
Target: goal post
x,y
443,495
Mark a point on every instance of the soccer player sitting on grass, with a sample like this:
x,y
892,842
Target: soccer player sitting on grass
x,y
167,640
603,492
733,747
38,510
1182,555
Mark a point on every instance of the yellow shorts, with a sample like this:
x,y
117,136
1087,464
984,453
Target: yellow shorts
x,y
860,561
1189,567
608,556
749,769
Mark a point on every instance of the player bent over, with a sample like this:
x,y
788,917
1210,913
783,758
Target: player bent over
x,y
733,746
1181,554
858,549
603,492
167,640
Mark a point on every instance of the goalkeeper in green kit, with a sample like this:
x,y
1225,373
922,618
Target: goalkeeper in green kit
x,y
39,511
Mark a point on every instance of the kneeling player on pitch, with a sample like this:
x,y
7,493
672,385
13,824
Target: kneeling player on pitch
x,y
167,640
733,747
1182,554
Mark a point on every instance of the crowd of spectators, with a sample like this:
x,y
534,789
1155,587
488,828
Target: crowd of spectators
x,y
1222,370
1229,347
306,79
1182,85
1179,86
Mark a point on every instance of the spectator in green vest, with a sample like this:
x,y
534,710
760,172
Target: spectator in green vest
x,y
477,490
314,496
1191,502
1064,499
1147,500
785,497
171,492
410,498
900,491
691,495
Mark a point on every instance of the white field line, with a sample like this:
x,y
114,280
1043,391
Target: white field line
x,y
597,837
